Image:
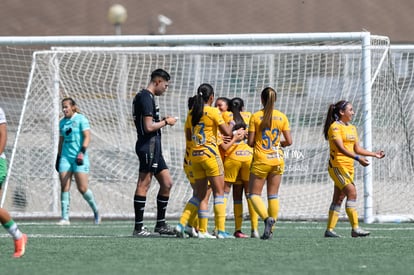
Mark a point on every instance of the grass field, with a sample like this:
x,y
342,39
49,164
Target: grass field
x,y
297,248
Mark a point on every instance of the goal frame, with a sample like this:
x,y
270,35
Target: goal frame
x,y
180,40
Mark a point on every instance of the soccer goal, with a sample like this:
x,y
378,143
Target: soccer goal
x,y
103,73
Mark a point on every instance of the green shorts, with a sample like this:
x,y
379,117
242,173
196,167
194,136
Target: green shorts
x,y
3,170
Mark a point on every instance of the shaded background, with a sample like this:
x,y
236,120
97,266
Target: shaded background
x,y
89,17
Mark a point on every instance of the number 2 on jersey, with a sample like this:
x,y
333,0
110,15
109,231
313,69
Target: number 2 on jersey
x,y
268,141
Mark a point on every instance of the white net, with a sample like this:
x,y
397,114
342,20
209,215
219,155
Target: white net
x,y
307,75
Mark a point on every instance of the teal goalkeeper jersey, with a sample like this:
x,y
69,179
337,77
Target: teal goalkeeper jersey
x,y
71,129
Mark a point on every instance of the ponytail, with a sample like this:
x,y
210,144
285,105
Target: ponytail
x,y
333,115
236,106
204,92
268,100
190,102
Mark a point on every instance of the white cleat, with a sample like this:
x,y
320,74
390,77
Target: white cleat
x,y
63,222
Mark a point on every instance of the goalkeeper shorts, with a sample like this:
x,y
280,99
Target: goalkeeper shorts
x,y
69,165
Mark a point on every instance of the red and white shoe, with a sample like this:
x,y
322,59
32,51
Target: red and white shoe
x,y
239,234
20,246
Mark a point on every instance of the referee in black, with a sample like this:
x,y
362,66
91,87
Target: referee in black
x,y
148,149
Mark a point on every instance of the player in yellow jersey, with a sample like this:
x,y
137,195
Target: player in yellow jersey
x,y
238,158
202,125
192,226
266,129
344,149
222,103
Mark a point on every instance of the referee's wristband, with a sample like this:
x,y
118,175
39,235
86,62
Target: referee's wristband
x,y
356,158
166,122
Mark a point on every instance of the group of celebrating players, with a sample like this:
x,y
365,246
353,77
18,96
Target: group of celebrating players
x,y
221,153
229,147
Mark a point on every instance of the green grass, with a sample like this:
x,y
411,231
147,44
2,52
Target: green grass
x,y
297,248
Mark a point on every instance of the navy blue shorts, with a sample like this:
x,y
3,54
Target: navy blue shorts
x,y
150,156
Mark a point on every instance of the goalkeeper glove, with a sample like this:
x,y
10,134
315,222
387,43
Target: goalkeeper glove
x,y
79,159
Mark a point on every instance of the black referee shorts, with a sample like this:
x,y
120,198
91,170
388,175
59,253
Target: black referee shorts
x,y
150,156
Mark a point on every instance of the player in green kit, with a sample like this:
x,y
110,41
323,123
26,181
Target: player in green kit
x,y
19,238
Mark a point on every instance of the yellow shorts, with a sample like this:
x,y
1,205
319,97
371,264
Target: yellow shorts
x,y
236,171
341,176
262,170
210,167
188,170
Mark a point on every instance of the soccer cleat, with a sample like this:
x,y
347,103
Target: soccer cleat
x,y
191,231
224,235
255,234
180,231
359,232
268,238
164,229
205,235
20,246
240,235
331,234
268,234
63,222
143,233
97,218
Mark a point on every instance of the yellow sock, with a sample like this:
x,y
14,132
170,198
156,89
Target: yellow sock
x,y
273,202
333,216
238,215
220,213
254,218
193,222
352,213
191,209
226,197
203,220
259,206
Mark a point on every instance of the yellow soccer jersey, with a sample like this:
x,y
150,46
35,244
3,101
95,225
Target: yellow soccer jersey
x,y
204,134
227,117
266,149
240,151
349,136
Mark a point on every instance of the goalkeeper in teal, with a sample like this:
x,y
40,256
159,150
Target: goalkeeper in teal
x,y
72,159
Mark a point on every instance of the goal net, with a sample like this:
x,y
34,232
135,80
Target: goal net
x,y
308,72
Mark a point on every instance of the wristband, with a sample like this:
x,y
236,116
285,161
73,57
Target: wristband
x,y
83,149
166,122
356,158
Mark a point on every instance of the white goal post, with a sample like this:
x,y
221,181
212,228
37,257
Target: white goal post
x,y
103,73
